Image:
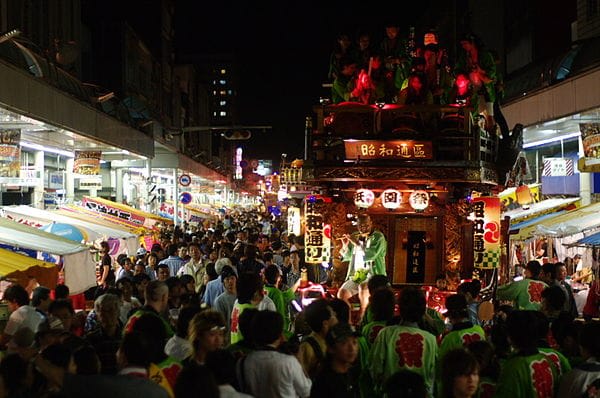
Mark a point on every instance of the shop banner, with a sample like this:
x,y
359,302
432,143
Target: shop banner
x,y
415,260
486,232
10,153
317,235
87,163
129,218
293,219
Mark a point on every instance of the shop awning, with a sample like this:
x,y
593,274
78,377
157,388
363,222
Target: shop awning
x,y
541,208
535,220
15,266
95,230
572,222
125,213
79,267
588,241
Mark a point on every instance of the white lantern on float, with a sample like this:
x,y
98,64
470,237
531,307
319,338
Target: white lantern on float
x,y
419,200
391,199
364,198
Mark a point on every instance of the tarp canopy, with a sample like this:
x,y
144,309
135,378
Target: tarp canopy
x,y
541,208
19,267
125,213
79,267
569,223
589,241
94,228
534,220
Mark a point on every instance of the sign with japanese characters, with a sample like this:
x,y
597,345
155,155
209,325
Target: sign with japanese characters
x,y
396,149
415,259
419,200
317,234
293,216
486,232
558,167
135,220
364,198
391,199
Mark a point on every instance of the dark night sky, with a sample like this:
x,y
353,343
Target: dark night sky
x,y
283,54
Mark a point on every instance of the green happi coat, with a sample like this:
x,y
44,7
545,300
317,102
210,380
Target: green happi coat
x,y
528,376
525,294
375,250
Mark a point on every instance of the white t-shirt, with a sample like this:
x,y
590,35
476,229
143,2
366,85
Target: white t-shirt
x,y
24,316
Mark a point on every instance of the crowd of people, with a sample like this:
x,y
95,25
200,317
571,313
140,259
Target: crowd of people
x,y
217,313
404,69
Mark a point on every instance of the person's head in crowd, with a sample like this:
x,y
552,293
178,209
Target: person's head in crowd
x,y
548,273
412,304
195,252
152,260
276,246
523,328
156,295
24,343
193,379
125,285
14,375
268,258
140,253
319,316
272,275
533,269
63,310
382,305
139,267
299,241
104,247
16,296
133,351
182,251
221,363
176,290
561,271
267,329
342,344
405,384
249,288
163,272
295,260
85,361
470,290
40,298
153,329
553,300
61,291
245,325
285,255
377,282
589,340
107,308
483,351
183,320
140,282
211,272
460,374
440,282
392,29
229,279
565,331
456,308
189,283
172,250
206,333
341,309
220,263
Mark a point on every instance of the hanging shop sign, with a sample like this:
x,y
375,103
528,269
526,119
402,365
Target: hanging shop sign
x,y
391,199
364,198
590,139
293,219
486,232
87,162
396,149
317,235
10,153
558,167
291,176
90,183
419,200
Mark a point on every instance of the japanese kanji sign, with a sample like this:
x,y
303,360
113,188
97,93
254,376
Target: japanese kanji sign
x,y
396,149
486,232
317,234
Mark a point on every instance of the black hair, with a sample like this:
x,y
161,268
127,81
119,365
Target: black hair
x,y
245,324
267,327
61,291
61,303
534,267
40,293
484,352
523,328
136,347
377,282
382,305
183,320
154,329
317,312
550,270
555,297
86,360
57,354
222,365
271,274
172,249
193,379
341,309
457,362
16,293
412,304
405,384
247,285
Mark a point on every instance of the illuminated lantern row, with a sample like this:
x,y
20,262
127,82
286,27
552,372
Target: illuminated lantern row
x,y
391,199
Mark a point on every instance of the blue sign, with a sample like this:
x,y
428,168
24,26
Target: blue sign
x,y
185,198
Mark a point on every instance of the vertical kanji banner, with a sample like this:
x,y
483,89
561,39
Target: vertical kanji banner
x,y
317,235
486,232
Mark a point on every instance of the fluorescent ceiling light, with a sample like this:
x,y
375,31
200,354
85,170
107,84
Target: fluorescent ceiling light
x,y
38,147
551,140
